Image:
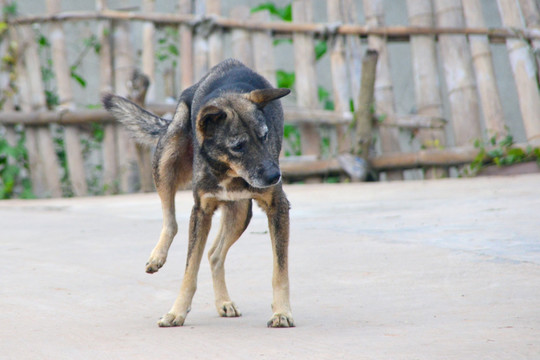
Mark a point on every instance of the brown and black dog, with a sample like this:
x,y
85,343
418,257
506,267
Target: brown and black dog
x,y
226,137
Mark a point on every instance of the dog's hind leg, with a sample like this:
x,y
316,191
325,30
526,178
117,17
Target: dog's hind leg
x,y
235,218
172,167
199,226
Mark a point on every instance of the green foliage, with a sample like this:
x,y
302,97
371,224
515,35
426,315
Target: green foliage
x,y
283,13
500,152
324,98
285,79
320,49
10,9
291,134
13,169
167,48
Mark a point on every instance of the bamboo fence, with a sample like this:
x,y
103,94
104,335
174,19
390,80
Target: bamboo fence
x,y
442,34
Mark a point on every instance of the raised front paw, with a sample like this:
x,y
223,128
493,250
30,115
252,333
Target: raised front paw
x,y
155,263
170,319
280,320
228,309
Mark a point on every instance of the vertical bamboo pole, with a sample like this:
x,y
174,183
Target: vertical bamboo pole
x,y
353,50
138,87
362,115
148,52
306,84
458,74
263,49
241,38
44,166
426,78
384,92
110,161
200,58
123,69
483,66
531,13
523,67
186,47
340,78
215,39
72,139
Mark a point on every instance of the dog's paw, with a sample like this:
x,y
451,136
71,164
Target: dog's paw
x,y
155,263
279,320
228,309
170,319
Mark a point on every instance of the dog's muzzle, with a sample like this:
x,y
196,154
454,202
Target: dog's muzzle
x,y
268,174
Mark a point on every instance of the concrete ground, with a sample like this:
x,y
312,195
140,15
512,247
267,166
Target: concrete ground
x,y
446,269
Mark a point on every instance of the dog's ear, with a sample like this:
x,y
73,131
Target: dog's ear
x,y
207,120
261,97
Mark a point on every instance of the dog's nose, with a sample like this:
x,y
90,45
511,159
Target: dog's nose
x,y
271,174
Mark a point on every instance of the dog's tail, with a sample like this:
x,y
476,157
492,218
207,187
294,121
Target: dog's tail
x,y
143,126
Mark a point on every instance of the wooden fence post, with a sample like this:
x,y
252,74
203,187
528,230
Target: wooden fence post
x,y
306,77
523,67
186,47
263,49
106,77
485,74
459,75
148,51
215,39
363,115
340,78
384,92
44,166
241,39
531,13
353,50
426,78
123,69
138,87
72,144
200,45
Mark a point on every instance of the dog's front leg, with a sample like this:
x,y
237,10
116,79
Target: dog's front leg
x,y
199,227
277,210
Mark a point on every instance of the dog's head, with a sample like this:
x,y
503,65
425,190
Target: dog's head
x,y
235,132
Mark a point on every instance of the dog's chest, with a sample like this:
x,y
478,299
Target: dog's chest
x,y
228,192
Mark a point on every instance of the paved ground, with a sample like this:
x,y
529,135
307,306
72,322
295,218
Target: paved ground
x,y
448,269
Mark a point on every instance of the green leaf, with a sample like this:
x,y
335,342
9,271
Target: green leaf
x,y
320,49
285,79
78,78
284,13
173,49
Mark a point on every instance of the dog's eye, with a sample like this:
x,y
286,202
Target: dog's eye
x,y
239,147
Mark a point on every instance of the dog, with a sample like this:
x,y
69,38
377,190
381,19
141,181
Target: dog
x,y
225,136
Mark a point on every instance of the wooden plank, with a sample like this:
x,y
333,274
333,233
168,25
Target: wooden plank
x,y
426,79
459,75
484,71
353,50
306,85
384,92
531,12
72,140
241,39
523,67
